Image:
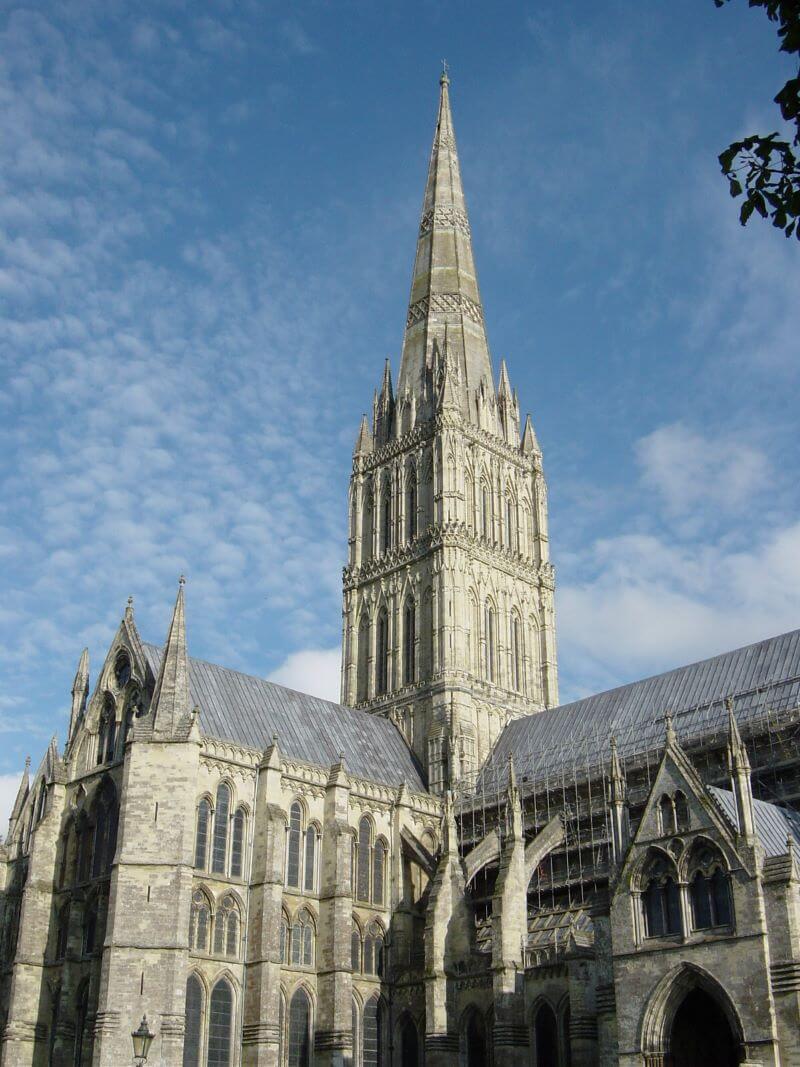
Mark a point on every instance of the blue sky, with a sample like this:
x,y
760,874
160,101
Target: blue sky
x,y
207,224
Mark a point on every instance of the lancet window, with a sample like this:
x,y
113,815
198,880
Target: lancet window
x,y
409,641
370,864
382,667
372,1034
219,844
301,942
411,502
490,631
107,734
709,889
193,1039
661,900
302,848
220,1025
362,680
200,922
517,661
226,928
300,1030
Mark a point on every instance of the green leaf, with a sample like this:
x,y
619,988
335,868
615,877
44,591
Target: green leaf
x,y
746,212
735,187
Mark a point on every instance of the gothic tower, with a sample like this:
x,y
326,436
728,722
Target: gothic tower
x,y
448,620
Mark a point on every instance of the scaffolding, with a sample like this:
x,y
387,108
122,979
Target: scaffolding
x,y
572,779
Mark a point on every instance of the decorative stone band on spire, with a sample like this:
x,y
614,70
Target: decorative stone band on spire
x,y
445,218
444,303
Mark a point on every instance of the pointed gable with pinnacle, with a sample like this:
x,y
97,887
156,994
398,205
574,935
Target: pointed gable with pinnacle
x,y
171,706
444,286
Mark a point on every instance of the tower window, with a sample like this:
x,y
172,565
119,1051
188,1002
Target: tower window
x,y
411,504
410,641
362,679
489,669
386,520
382,673
122,670
219,848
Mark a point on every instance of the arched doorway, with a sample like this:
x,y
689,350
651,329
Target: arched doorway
x,y
409,1043
701,1035
473,1044
545,1037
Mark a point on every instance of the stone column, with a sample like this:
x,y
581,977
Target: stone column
x,y
334,1031
260,1030
25,1039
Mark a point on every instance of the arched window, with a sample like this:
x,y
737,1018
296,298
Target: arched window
x,y
681,811
409,641
199,922
490,631
382,667
219,849
469,494
486,512
378,871
545,1037
363,859
90,926
367,526
122,669
299,1030
107,731
220,1025
284,949
226,928
85,837
386,519
237,843
294,845
661,899
193,1039
355,948
310,868
302,940
201,836
411,502
106,815
709,889
511,524
517,669
666,811
62,932
55,1007
373,949
362,680
81,1013
372,1040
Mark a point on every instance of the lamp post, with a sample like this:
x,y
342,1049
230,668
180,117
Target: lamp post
x,y
142,1040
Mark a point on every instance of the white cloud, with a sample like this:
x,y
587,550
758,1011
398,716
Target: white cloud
x,y
648,604
9,784
315,671
687,468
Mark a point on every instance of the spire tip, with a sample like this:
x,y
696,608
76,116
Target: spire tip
x,y
444,79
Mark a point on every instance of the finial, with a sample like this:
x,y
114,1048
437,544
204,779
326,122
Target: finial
x,y
274,739
445,78
669,727
27,763
129,609
182,580
613,743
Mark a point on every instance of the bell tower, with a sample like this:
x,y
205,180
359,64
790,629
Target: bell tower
x,y
448,617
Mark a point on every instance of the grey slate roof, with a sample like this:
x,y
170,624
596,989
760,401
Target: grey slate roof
x,y
773,824
765,674
238,707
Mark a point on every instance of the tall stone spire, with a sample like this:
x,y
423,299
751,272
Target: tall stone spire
x,y
80,691
444,286
171,703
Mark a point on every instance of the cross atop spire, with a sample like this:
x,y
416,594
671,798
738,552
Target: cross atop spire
x,y
444,285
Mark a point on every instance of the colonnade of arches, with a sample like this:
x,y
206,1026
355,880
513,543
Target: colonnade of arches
x,y
502,647
393,506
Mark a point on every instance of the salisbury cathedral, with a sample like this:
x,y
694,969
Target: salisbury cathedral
x,y
450,867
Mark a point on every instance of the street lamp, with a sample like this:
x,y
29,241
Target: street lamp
x,y
142,1040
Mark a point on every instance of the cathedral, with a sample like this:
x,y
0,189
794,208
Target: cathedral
x,y
450,867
